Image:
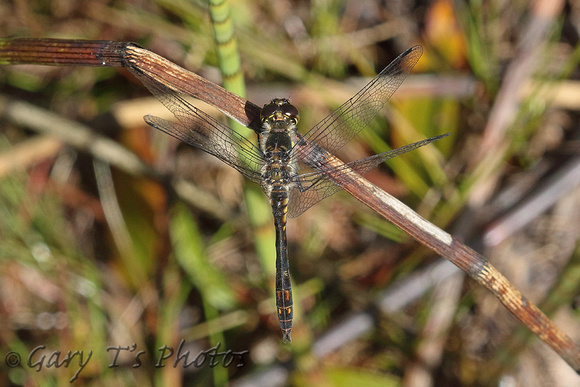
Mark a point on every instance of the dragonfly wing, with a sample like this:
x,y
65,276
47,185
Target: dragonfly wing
x,y
354,115
191,137
300,201
203,131
310,188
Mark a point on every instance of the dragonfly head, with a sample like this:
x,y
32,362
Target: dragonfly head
x,y
279,109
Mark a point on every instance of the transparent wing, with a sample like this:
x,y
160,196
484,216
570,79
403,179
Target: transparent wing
x,y
354,115
192,137
310,188
204,132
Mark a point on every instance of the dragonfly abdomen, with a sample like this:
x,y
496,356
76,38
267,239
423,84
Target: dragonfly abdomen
x,y
284,303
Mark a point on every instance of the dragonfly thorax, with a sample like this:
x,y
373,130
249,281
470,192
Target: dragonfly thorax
x,y
277,143
278,165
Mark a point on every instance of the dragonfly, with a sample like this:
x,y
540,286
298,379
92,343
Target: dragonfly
x,y
277,161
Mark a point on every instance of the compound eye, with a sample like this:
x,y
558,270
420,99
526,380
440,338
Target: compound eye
x,y
291,112
267,111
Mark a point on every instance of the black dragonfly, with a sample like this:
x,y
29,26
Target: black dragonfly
x,y
276,162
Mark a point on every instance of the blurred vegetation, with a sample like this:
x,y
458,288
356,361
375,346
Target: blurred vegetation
x,y
92,257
